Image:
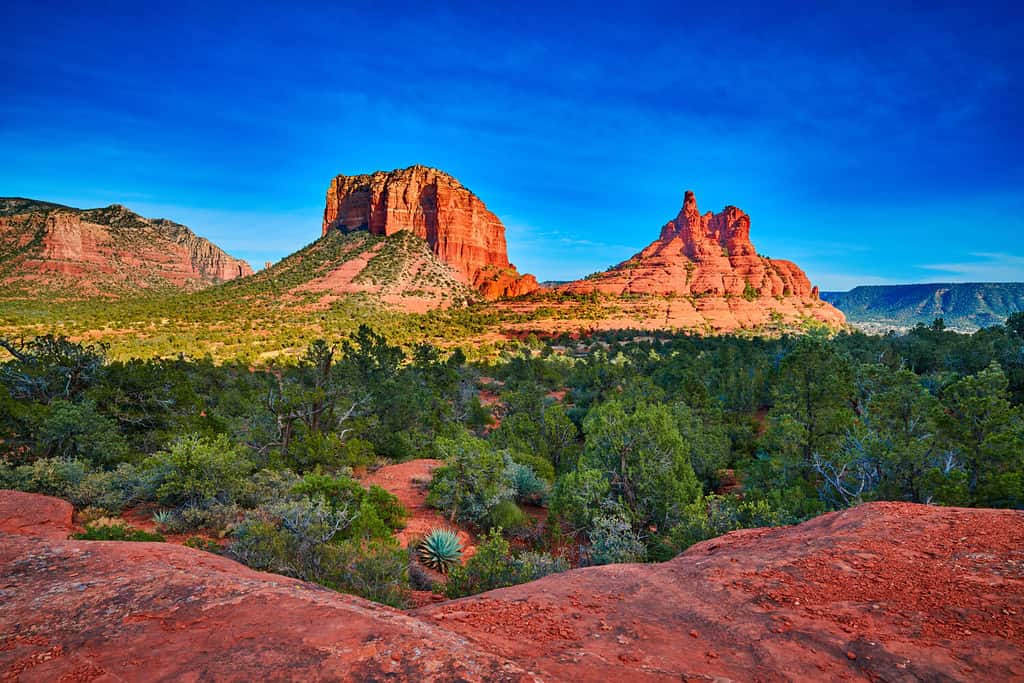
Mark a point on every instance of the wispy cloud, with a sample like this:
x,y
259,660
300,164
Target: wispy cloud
x,y
984,266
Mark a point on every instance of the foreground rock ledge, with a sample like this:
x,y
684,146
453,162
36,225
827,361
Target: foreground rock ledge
x,y
882,592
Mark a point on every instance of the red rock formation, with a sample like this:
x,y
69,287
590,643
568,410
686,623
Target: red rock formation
x,y
885,591
435,206
702,255
104,251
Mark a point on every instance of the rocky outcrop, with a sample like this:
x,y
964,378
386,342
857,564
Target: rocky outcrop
x,y
702,255
709,272
456,224
119,611
880,592
104,251
885,591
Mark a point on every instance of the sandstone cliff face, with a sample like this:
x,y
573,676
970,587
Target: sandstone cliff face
x,y
104,251
702,255
435,206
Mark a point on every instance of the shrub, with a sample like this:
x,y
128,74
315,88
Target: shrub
x,y
205,544
71,430
307,539
265,487
49,476
473,480
217,517
494,566
506,515
113,490
713,516
534,565
440,550
198,471
613,541
528,487
115,532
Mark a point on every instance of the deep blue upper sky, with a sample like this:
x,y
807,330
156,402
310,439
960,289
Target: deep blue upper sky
x,y
869,144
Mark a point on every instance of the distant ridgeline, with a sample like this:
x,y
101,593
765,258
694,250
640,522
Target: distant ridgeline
x,y
962,306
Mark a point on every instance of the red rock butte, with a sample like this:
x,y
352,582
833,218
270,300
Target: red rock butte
x,y
702,255
456,224
110,249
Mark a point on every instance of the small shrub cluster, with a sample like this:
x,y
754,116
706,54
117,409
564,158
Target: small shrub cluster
x,y
494,565
115,532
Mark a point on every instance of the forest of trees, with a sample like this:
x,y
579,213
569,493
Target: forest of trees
x,y
635,447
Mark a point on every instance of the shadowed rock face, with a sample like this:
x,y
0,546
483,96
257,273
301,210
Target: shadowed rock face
x,y
884,591
103,251
436,207
707,255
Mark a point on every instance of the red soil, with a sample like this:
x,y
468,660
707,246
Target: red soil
x,y
408,482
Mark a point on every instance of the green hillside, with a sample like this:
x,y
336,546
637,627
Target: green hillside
x,y
963,306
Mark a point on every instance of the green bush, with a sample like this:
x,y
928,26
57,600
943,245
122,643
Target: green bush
x,y
613,541
495,566
313,541
205,544
506,515
474,479
115,532
76,430
198,471
526,485
713,516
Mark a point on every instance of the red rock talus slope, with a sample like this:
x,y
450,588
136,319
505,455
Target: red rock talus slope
x,y
104,251
885,591
710,256
436,207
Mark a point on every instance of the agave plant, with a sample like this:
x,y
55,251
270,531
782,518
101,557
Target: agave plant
x,y
163,518
440,550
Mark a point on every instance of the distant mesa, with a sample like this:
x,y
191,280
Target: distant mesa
x,y
963,306
109,251
433,205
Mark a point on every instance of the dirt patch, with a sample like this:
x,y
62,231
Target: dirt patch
x,y
408,481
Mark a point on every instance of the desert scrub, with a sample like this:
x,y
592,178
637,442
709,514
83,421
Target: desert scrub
x,y
494,565
440,550
115,532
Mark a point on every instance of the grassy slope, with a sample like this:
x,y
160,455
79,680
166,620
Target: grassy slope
x,y
261,317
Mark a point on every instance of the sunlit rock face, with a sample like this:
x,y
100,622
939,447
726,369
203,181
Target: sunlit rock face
x,y
104,251
456,224
703,255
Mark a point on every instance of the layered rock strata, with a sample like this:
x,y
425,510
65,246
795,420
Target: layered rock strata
x,y
433,205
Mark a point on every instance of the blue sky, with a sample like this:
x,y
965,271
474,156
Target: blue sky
x,y
869,143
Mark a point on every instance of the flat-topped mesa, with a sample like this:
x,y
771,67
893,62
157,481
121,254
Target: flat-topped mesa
x,y
435,206
702,255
